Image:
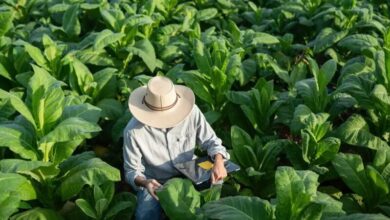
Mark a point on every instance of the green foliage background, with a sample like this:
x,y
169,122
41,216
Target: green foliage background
x,y
298,90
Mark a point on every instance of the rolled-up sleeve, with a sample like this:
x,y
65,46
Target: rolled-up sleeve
x,y
132,158
206,137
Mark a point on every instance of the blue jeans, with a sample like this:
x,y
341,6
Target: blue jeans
x,y
148,208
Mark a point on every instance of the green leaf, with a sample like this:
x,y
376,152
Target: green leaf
x,y
331,206
9,204
75,160
112,109
360,216
351,170
211,194
202,57
18,105
39,214
46,97
379,187
52,52
100,206
145,50
18,165
239,207
70,21
198,85
36,54
264,38
327,71
105,38
81,79
327,149
206,14
124,203
86,208
96,57
359,42
110,18
18,140
20,185
355,131
92,172
6,18
106,84
212,116
179,198
326,38
269,154
295,191
84,111
70,129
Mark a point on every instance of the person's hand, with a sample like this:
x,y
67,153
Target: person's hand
x,y
219,170
151,185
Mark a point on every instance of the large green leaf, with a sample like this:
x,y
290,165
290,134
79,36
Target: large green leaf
x,y
202,57
63,150
106,84
47,99
18,140
355,131
18,165
18,105
112,109
198,85
179,199
9,204
6,18
20,185
206,14
70,129
326,38
360,216
359,42
379,187
85,111
36,54
239,207
264,38
86,208
239,137
105,38
70,21
295,191
123,203
38,214
81,79
351,170
88,172
145,50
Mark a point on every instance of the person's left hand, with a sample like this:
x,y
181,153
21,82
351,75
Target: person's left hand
x,y
219,170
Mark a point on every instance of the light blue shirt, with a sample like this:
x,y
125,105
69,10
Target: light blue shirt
x,y
152,152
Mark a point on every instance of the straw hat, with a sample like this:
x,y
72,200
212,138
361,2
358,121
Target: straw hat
x,y
161,104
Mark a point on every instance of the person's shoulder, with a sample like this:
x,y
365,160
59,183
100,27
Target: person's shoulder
x,y
134,125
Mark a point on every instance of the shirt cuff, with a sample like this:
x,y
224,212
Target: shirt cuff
x,y
130,177
218,150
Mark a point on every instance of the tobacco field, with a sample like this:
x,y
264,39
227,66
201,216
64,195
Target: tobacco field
x,y
298,90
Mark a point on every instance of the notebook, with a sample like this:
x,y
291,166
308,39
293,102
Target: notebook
x,y
199,169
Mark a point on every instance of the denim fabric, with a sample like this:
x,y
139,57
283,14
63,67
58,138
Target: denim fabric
x,y
148,208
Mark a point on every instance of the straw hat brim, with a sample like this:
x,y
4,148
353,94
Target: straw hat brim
x,y
162,119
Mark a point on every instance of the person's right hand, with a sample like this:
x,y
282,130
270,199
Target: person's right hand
x,y
151,185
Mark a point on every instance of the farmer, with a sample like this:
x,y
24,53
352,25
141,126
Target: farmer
x,y
163,132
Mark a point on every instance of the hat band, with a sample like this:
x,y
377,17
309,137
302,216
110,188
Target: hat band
x,y
155,108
